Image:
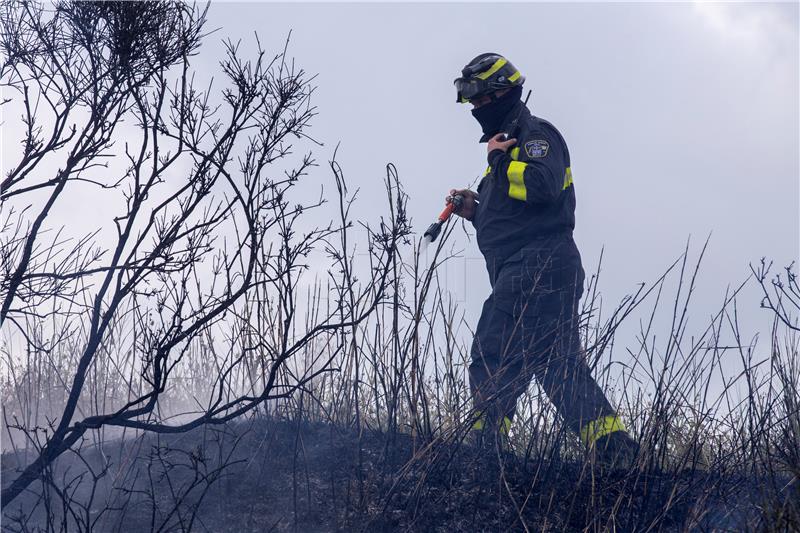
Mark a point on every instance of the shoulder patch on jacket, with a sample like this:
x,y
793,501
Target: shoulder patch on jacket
x,y
537,148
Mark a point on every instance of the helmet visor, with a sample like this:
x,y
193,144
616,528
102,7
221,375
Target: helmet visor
x,y
471,88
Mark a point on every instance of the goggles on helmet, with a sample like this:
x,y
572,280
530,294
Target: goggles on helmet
x,y
469,88
485,76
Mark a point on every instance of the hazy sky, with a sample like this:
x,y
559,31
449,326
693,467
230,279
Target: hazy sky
x,y
681,119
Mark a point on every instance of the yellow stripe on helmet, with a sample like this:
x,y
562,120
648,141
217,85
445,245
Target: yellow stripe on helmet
x,y
494,68
514,77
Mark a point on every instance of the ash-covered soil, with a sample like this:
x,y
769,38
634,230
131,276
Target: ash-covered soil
x,y
263,475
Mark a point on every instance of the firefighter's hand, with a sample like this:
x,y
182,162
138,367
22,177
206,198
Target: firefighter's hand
x,y
468,206
497,143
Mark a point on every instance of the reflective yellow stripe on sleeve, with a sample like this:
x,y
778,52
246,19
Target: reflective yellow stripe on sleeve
x,y
600,428
516,181
567,178
494,68
515,153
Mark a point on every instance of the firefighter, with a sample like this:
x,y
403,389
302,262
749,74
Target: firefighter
x,y
524,214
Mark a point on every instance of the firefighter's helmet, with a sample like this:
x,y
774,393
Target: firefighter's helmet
x,y
484,75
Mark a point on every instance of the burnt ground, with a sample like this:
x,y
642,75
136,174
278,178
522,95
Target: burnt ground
x,y
283,476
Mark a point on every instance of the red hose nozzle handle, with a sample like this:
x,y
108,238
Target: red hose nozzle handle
x,y
453,204
446,212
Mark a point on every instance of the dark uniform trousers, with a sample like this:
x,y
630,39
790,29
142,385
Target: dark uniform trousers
x,y
529,327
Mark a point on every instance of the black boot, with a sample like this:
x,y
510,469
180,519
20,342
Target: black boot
x,y
616,451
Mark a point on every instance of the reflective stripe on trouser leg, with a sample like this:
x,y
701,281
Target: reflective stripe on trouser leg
x,y
505,426
600,428
480,423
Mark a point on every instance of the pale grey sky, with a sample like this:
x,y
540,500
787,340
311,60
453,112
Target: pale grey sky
x,y
682,119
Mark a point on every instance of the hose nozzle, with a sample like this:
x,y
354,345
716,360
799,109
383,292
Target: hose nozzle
x,y
453,205
433,231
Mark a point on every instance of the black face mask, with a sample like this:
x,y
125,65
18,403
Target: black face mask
x,y
492,115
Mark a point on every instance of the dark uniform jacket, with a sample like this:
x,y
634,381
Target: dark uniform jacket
x,y
527,193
